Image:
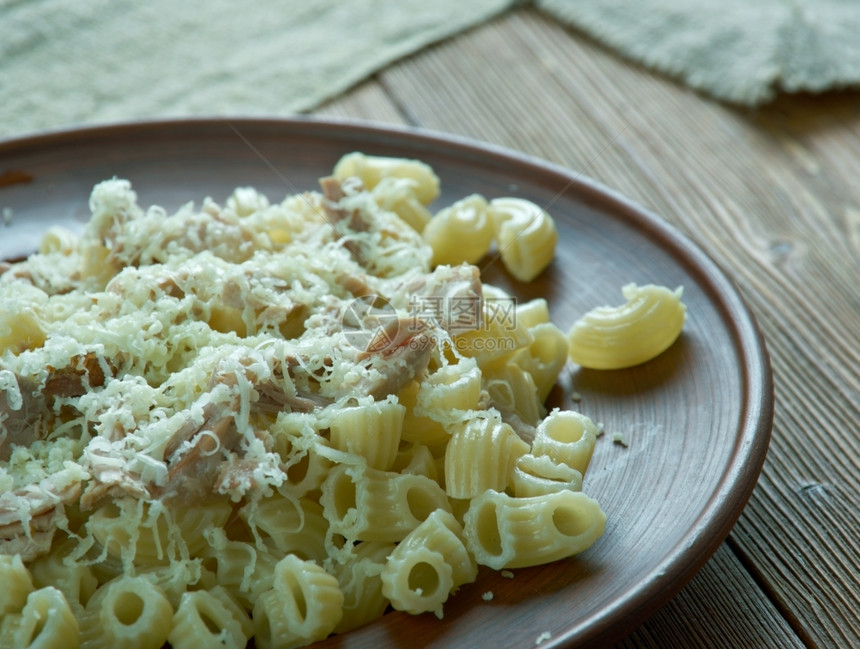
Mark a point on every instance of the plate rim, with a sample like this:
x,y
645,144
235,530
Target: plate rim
x,y
741,474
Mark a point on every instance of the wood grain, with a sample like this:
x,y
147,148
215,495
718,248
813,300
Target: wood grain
x,y
368,101
771,195
722,589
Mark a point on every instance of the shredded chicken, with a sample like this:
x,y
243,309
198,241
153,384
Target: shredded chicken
x,y
29,419
29,517
334,192
19,420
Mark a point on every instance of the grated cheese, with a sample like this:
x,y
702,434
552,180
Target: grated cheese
x,y
144,328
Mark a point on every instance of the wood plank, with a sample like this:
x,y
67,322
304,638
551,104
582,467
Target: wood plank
x,y
769,196
722,587
368,101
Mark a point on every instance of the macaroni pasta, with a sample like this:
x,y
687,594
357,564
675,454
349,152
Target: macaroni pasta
x,y
273,421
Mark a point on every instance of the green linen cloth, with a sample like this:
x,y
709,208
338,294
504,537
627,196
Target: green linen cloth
x,y
740,51
70,62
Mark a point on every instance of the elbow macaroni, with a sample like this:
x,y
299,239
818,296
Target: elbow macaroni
x,y
365,504
331,503
544,358
17,584
566,437
126,613
372,432
537,475
209,620
372,170
505,531
526,236
481,456
361,585
303,605
461,233
399,196
645,326
429,564
45,622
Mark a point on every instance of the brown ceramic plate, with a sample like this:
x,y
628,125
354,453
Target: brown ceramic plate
x,y
696,420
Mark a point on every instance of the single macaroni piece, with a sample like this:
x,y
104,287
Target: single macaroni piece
x,y
303,451
526,236
361,585
45,622
398,195
370,431
567,437
366,504
452,387
421,426
372,170
512,390
609,338
303,605
206,620
58,239
75,579
418,427
538,475
532,313
480,456
500,333
544,358
126,613
503,531
17,584
428,565
461,233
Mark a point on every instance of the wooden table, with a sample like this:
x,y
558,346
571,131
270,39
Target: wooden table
x,y
772,194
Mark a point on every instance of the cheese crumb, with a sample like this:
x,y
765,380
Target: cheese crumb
x,y
619,439
543,637
507,574
488,596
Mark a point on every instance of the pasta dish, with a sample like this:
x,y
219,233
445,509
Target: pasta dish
x,y
275,421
